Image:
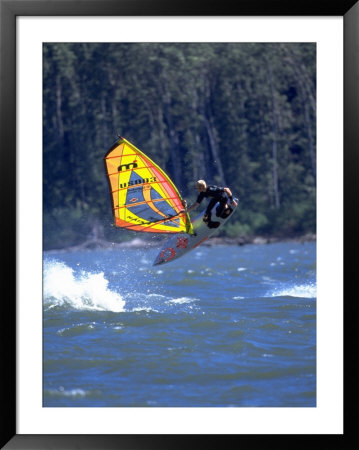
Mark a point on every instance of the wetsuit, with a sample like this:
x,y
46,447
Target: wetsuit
x,y
216,194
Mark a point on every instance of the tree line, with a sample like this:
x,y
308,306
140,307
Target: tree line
x,y
241,115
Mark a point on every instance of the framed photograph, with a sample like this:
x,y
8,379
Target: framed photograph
x,y
103,349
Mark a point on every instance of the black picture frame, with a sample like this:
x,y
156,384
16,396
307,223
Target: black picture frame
x,y
9,10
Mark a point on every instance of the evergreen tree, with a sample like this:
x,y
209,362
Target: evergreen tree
x,y
242,115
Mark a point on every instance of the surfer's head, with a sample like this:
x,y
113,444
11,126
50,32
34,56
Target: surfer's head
x,y
201,185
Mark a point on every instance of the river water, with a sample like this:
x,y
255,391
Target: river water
x,y
222,326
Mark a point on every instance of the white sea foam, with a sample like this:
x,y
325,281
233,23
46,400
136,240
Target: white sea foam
x,y
84,291
144,308
183,300
303,290
62,392
156,295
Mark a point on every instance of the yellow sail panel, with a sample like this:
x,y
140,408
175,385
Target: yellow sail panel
x,y
143,196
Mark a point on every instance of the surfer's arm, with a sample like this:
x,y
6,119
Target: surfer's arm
x,y
230,197
228,192
191,208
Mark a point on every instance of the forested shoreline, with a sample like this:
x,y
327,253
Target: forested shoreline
x,y
237,115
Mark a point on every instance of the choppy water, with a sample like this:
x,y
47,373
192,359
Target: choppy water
x,y
222,326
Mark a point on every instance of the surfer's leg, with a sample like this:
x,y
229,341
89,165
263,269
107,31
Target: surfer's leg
x,y
210,205
221,207
208,213
226,211
207,217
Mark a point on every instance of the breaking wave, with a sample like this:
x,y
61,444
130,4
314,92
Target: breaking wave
x,y
83,291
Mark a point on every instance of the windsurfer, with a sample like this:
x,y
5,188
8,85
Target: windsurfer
x,y
217,194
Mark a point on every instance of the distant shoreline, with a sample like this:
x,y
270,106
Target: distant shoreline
x,y
101,244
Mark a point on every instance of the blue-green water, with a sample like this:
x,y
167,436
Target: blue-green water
x,y
222,326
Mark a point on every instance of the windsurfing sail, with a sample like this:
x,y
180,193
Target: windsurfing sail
x,y
143,197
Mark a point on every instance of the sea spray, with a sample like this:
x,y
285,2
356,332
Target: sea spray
x,y
81,291
302,291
